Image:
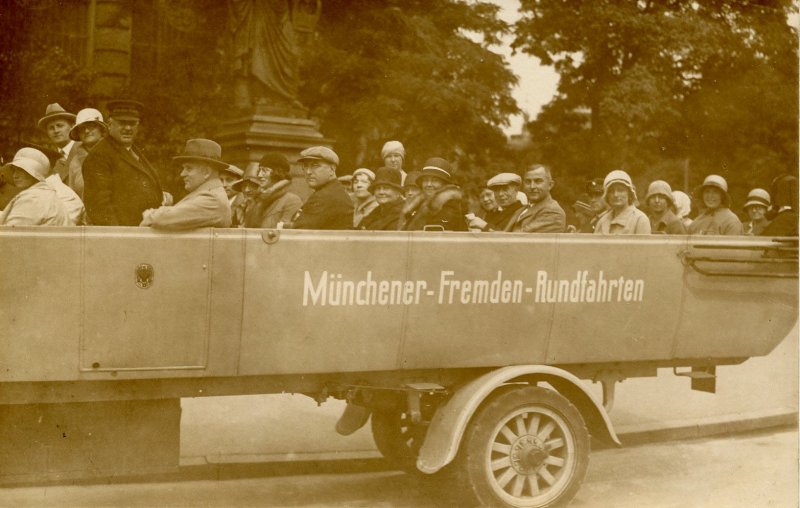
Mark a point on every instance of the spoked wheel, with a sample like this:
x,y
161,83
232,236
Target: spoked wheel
x,y
397,438
526,448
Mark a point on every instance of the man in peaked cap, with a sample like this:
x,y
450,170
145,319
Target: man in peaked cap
x,y
206,205
329,207
119,182
57,123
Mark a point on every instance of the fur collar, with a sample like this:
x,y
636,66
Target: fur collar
x,y
421,203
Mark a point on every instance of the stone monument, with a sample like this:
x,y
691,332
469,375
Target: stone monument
x,y
263,47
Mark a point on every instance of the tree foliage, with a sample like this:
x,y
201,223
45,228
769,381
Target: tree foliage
x,y
417,71
662,87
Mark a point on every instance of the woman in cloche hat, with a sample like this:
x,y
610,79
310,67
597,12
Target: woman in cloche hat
x,y
717,218
622,218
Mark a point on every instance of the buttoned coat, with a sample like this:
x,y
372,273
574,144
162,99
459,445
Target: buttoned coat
x,y
720,221
546,216
207,206
117,186
328,207
630,221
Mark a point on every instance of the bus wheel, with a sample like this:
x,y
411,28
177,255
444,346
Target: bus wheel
x,y
527,447
397,438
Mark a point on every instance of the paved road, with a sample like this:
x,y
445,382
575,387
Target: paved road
x,y
744,471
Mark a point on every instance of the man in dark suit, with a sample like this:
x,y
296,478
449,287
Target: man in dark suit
x,y
329,207
119,183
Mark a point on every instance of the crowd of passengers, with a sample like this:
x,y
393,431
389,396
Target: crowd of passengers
x,y
95,174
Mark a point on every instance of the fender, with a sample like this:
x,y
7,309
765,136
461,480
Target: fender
x,y
450,420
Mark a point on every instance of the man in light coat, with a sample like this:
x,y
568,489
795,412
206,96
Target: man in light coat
x,y
543,214
207,204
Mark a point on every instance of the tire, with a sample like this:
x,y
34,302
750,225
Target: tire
x,y
527,447
397,438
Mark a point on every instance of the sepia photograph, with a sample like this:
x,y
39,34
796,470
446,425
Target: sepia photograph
x,y
399,253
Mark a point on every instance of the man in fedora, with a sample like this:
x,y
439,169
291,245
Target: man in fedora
x,y
329,207
207,204
57,123
119,182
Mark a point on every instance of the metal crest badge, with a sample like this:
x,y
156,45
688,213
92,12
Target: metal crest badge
x,y
144,276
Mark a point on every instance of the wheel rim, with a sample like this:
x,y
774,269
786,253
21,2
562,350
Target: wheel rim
x,y
530,457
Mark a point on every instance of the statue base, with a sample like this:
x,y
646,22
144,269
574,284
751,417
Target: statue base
x,y
247,138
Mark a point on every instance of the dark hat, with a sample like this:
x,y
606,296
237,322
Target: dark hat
x,y
321,153
387,176
594,186
203,150
54,112
123,109
411,179
275,161
437,167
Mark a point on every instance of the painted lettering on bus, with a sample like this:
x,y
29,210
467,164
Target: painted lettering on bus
x,y
334,289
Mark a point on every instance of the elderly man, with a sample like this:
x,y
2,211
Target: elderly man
x,y
38,203
57,123
88,130
543,214
504,186
329,207
206,205
119,182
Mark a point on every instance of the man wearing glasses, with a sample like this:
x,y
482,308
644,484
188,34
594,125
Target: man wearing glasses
x,y
329,207
119,182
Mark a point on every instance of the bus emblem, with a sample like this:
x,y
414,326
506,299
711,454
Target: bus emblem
x,y
144,276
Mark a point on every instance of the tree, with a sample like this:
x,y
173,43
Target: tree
x,y
417,71
666,87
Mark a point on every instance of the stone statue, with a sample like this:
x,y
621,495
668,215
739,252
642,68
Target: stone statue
x,y
264,53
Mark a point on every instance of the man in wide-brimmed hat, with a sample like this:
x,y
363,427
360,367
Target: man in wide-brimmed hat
x,y
716,217
119,182
57,123
207,204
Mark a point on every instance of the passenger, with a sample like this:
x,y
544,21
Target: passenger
x,y
119,182
206,205
661,209
363,200
57,123
487,201
683,206
594,188
756,207
393,154
269,203
388,194
229,177
37,203
504,187
584,216
784,207
716,218
329,207
543,214
623,218
88,130
411,188
347,183
440,206
7,189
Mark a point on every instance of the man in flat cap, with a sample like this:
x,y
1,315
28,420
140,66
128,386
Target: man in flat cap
x,y
206,205
543,214
505,187
329,207
57,123
119,182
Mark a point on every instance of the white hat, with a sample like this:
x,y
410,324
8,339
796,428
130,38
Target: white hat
x,y
758,197
504,179
619,176
33,162
87,115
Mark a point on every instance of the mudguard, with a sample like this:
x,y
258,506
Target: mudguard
x,y
448,424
